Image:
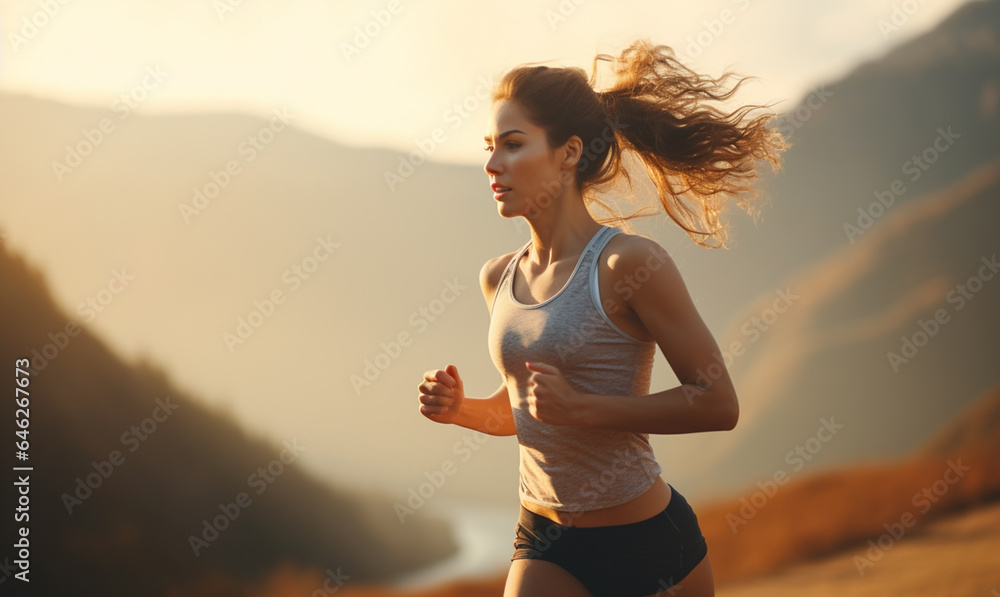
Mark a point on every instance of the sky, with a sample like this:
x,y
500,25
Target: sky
x,y
397,73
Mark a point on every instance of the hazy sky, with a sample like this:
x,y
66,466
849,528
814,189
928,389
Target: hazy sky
x,y
386,73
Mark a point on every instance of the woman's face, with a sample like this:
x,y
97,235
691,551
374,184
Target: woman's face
x,y
521,160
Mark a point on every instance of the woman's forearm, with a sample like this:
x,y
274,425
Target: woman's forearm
x,y
688,408
490,415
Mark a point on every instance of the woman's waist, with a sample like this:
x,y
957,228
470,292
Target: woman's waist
x,y
645,506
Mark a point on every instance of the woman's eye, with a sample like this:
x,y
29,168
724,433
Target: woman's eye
x,y
508,145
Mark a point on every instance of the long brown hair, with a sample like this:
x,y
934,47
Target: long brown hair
x,y
696,154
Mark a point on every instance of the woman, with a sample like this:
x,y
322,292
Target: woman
x,y
577,312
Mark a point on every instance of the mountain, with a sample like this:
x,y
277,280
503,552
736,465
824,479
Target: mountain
x,y
864,273
924,113
873,520
136,487
878,329
209,234
977,425
388,255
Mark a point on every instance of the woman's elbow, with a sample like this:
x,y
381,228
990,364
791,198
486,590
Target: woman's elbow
x,y
734,414
729,413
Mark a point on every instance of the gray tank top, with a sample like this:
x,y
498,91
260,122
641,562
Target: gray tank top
x,y
569,467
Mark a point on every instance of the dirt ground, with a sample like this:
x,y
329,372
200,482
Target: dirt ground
x,y
958,556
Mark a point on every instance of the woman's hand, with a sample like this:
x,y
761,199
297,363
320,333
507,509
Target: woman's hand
x,y
441,394
550,398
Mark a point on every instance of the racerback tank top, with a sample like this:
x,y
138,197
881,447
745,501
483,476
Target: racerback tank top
x,y
570,467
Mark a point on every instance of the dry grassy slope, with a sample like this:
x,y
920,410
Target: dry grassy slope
x,y
977,426
843,508
955,556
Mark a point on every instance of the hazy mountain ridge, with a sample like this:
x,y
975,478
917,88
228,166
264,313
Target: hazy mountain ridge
x,y
854,309
865,284
854,136
128,468
978,424
397,247
238,249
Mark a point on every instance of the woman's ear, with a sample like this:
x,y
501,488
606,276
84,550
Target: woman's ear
x,y
573,148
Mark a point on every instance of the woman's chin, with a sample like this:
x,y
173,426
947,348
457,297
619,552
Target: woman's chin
x,y
507,211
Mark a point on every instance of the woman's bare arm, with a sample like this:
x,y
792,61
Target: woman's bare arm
x,y
490,415
442,400
706,399
442,393
494,411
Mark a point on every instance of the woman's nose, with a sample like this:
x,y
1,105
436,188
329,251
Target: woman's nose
x,y
492,165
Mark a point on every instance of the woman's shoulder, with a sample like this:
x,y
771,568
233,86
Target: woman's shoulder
x,y
492,271
625,252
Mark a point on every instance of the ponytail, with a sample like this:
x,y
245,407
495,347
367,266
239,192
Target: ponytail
x,y
690,149
657,109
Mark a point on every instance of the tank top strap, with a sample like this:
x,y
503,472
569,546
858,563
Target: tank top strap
x,y
584,274
602,240
506,274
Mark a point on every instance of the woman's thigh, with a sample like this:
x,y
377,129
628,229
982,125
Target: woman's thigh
x,y
700,582
538,578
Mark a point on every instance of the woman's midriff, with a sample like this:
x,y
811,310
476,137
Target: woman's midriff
x,y
647,505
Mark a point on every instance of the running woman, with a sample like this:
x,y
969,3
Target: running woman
x,y
577,312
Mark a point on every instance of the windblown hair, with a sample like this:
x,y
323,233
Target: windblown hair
x,y
696,154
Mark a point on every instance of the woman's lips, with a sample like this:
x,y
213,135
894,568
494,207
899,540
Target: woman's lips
x,y
500,193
